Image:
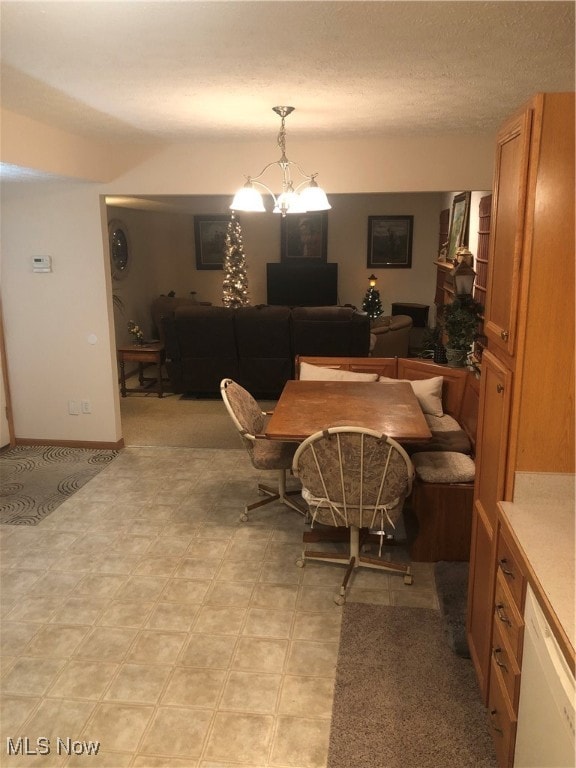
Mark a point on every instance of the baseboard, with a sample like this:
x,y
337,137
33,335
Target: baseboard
x,y
117,446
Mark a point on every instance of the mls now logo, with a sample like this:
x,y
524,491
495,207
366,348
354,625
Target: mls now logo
x,y
42,746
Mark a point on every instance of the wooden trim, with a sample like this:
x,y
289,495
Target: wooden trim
x,y
383,366
117,446
6,381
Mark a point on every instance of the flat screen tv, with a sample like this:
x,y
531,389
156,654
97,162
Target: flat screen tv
x,y
308,284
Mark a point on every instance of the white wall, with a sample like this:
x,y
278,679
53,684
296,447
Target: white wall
x,y
49,317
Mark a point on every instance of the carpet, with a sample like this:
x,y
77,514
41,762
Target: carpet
x,y
402,699
452,588
176,421
34,480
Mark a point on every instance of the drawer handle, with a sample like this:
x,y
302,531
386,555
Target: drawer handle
x,y
499,388
505,571
501,615
501,664
495,726
504,335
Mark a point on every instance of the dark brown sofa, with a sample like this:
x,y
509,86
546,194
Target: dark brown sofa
x,y
255,346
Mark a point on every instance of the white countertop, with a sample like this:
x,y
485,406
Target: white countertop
x,y
542,518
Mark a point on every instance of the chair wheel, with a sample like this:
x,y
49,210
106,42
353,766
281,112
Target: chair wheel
x,y
243,517
300,562
408,579
339,599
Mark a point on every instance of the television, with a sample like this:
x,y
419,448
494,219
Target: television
x,y
302,284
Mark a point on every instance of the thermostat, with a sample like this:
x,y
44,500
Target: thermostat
x,y
42,263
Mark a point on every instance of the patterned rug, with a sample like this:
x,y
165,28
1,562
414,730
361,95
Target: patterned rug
x,y
34,480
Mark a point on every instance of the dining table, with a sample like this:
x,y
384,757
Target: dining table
x,y
306,407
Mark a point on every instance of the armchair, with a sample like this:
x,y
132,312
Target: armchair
x,y
390,336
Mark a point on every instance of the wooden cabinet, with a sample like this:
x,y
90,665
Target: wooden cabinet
x,y
508,217
491,451
526,416
506,647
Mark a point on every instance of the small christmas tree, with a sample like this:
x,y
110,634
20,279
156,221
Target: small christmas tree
x,y
235,285
372,304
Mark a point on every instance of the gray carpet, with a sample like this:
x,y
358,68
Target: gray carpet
x,y
34,480
178,422
402,698
452,588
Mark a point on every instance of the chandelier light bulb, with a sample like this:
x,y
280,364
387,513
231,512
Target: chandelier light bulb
x,y
306,196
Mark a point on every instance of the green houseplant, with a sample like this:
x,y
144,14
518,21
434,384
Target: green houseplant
x,y
460,323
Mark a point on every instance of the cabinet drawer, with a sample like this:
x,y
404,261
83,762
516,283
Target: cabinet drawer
x,y
502,720
507,617
508,666
510,571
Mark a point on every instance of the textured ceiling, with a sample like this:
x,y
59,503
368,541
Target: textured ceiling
x,y
174,71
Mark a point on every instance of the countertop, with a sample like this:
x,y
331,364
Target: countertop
x,y
542,519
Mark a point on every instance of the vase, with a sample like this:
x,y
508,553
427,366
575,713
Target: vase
x,y
456,358
439,354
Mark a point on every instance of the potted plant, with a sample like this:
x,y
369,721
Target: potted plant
x,y
460,323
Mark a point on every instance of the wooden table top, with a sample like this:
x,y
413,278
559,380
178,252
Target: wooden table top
x,y
306,407
147,346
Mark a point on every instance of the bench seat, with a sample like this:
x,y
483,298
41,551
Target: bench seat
x,y
443,467
438,515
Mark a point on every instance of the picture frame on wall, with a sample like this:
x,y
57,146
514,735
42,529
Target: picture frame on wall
x,y
210,240
390,242
458,224
304,236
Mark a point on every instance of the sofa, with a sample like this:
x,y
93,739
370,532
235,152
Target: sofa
x,y
255,346
163,305
390,336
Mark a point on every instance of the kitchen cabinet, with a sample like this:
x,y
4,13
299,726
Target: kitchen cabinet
x,y
526,414
534,533
506,647
491,451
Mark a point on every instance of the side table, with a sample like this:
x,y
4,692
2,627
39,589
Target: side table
x,y
142,354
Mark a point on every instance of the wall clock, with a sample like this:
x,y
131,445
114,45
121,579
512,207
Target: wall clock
x,y
119,249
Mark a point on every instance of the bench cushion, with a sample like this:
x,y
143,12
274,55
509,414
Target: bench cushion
x,y
443,467
444,423
451,442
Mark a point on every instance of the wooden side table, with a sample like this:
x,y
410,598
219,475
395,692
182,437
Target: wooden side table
x,y
142,354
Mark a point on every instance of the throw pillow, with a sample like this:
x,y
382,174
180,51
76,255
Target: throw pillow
x,y
428,392
310,372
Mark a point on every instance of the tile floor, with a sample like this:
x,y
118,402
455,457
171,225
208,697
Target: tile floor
x,y
143,615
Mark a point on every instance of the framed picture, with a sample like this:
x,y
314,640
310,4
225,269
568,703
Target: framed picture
x,y
458,224
210,240
390,242
304,236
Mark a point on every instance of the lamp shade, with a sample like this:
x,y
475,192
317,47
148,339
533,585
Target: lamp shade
x,y
248,199
314,198
289,202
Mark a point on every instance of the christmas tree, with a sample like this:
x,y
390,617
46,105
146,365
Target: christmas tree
x,y
372,304
235,285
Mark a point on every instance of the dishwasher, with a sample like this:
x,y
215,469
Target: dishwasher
x,y
545,734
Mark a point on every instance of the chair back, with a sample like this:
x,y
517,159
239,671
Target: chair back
x,y
246,414
353,476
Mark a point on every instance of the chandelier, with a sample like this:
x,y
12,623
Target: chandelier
x,y
306,196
